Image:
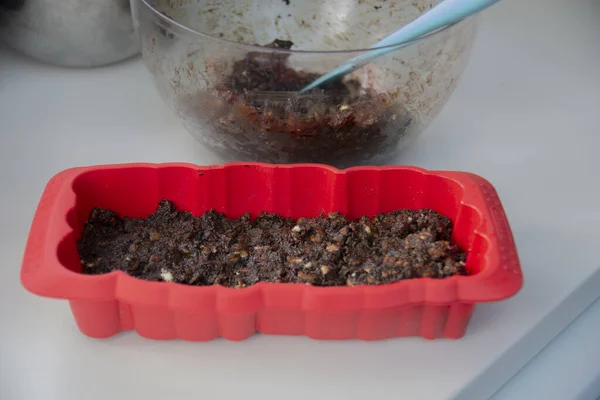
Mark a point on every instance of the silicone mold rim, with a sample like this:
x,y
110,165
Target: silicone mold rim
x,y
42,272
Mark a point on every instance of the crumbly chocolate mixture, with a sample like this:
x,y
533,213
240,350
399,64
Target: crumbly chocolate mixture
x,y
257,114
330,250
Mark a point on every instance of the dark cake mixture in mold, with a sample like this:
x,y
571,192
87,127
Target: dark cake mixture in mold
x,y
329,250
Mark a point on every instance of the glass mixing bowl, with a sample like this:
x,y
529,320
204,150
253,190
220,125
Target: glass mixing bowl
x,y
227,70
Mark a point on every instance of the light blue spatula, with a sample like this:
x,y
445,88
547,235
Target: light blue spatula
x,y
445,13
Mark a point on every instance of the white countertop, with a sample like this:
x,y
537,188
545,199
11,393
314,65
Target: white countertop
x,y
525,116
546,378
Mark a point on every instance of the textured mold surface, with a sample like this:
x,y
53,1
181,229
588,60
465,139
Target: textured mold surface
x,y
103,305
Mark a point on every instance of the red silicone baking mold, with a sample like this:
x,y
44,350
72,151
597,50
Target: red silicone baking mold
x,y
103,305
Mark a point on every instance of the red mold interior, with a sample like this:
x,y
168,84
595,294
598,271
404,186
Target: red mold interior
x,y
302,191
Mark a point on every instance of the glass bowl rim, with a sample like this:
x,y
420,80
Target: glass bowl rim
x,y
257,48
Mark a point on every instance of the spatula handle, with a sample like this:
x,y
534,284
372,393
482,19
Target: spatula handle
x,y
444,14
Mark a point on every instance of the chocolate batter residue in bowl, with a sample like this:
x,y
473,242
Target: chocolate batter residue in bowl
x,y
257,114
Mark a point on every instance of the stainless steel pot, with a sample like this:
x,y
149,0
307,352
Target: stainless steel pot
x,y
73,33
